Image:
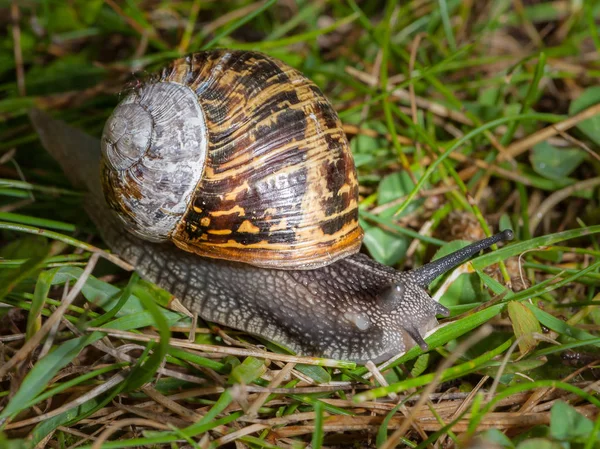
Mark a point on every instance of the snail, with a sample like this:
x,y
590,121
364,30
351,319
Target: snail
x,y
227,180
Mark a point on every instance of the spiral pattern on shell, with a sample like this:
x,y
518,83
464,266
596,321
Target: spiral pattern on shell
x,y
266,177
154,148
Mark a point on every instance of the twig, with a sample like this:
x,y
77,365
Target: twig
x,y
225,350
523,145
262,397
557,197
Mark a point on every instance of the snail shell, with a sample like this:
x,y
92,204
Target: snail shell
x,y
237,156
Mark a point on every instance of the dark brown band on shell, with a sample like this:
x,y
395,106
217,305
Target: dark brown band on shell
x,y
279,187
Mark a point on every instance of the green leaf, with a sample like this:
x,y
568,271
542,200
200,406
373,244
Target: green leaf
x,y
496,437
382,432
366,145
385,247
394,186
124,297
558,325
524,324
146,367
14,443
107,297
139,320
539,443
316,373
567,424
48,425
555,163
317,438
43,371
42,287
591,126
88,10
466,288
522,366
514,249
420,365
150,290
248,371
34,249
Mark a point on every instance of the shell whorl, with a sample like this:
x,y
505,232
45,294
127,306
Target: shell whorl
x,y
154,151
279,188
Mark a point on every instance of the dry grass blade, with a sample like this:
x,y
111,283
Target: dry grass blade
x,y
114,427
225,350
528,142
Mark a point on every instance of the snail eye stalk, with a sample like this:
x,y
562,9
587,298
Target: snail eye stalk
x,y
424,275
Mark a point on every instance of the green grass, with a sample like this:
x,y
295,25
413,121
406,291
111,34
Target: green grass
x,y
463,117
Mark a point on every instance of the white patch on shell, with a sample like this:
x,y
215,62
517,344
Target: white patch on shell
x,y
166,173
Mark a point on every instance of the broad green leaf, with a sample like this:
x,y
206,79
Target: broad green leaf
x,y
496,437
591,126
466,288
385,247
394,186
539,443
524,324
107,297
555,163
567,424
248,371
366,145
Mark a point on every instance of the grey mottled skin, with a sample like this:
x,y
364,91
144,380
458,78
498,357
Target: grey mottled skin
x,y
354,309
336,311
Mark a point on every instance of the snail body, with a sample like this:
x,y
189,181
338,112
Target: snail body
x,y
232,186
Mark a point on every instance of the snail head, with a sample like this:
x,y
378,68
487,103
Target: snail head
x,y
406,301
